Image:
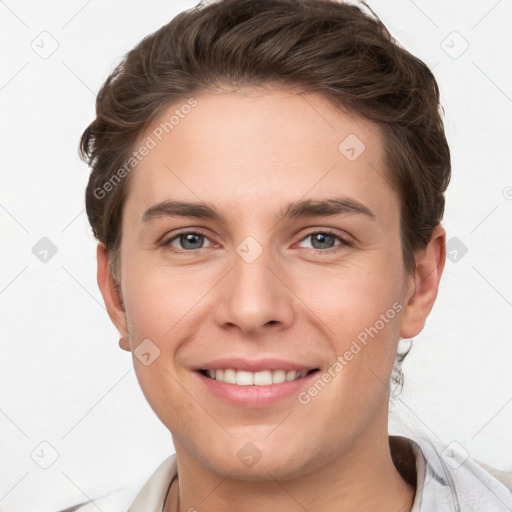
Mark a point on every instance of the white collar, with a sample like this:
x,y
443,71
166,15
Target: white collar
x,y
151,497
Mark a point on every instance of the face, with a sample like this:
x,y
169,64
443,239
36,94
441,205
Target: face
x,y
261,240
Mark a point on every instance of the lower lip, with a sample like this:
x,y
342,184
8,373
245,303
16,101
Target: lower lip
x,y
255,396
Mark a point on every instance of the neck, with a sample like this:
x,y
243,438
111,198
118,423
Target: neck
x,y
364,479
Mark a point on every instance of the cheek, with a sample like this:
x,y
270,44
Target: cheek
x,y
360,313
158,299
352,299
169,400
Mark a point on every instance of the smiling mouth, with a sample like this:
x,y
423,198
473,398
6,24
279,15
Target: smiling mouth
x,y
261,378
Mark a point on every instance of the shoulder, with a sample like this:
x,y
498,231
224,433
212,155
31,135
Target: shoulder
x,y
449,479
133,498
152,495
112,502
505,477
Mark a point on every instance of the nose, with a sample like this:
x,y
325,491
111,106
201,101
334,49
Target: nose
x,y
254,297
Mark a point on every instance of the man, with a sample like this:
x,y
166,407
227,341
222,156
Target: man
x,y
267,189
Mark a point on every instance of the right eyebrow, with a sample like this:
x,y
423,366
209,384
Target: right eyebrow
x,y
182,209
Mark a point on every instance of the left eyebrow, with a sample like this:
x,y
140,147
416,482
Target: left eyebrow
x,y
325,207
293,210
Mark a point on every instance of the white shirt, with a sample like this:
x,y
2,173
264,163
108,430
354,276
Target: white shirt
x,y
446,481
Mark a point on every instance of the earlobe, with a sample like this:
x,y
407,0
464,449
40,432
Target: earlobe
x,y
422,293
111,296
125,344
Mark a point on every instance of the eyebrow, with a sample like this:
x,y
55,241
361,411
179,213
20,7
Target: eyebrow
x,y
325,207
293,210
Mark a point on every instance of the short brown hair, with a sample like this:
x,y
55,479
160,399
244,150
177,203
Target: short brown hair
x,y
323,46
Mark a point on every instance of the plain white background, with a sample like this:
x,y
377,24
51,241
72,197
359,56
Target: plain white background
x,y
64,380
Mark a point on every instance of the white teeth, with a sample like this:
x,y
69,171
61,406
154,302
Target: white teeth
x,y
244,378
291,375
278,376
262,378
229,376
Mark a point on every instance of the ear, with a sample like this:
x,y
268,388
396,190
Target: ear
x,y
424,284
113,301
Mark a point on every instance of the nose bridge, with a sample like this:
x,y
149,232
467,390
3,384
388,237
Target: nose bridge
x,y
252,295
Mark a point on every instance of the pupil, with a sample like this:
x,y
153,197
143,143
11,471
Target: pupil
x,y
322,239
190,239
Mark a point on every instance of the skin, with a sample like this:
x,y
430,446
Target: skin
x,y
249,153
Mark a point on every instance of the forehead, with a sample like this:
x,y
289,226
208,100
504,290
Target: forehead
x,y
260,149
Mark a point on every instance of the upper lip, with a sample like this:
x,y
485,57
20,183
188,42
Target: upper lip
x,y
253,365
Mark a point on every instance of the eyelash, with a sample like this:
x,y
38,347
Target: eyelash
x,y
343,241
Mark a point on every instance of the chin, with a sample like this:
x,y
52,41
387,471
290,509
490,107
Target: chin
x,y
251,464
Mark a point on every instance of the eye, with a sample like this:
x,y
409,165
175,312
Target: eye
x,y
188,241
191,241
325,240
